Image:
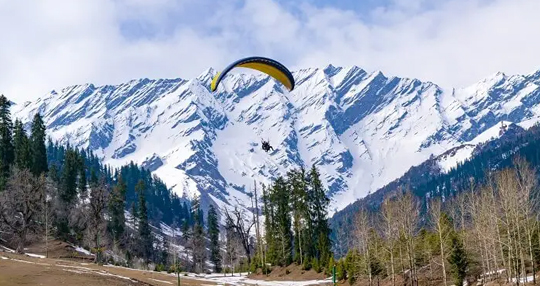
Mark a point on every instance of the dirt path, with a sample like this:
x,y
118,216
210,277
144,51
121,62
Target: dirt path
x,y
23,270
28,270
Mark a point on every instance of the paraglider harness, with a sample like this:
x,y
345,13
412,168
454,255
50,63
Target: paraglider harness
x,y
266,146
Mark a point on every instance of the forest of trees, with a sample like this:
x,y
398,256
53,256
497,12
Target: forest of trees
x,y
50,191
295,226
427,180
489,232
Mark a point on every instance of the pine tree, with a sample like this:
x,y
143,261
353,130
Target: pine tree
x,y
199,249
21,144
187,234
145,235
82,178
458,259
283,244
270,229
300,213
341,270
134,215
318,204
69,176
54,173
39,151
213,236
93,178
116,210
165,253
7,153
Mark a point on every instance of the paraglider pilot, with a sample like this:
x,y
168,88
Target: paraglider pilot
x,y
266,146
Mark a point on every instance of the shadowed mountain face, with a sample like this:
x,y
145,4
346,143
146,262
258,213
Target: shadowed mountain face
x,y
361,129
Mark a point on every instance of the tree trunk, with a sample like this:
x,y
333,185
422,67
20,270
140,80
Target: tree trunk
x,y
393,271
441,243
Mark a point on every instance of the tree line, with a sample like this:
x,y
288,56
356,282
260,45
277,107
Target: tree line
x,y
490,232
427,180
295,228
51,191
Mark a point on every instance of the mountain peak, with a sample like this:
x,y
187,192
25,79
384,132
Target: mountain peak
x,y
354,125
209,72
499,74
205,78
534,74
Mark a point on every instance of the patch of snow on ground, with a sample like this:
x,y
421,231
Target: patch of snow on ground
x,y
493,272
242,280
167,282
28,262
524,280
35,255
83,251
7,249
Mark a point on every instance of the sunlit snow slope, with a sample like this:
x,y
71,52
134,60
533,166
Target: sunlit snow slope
x,y
361,129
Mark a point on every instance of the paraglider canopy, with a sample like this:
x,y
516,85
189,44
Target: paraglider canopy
x,y
265,65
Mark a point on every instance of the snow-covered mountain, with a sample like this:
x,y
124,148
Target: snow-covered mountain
x,y
361,129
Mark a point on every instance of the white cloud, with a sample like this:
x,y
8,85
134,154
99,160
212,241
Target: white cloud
x,y
54,43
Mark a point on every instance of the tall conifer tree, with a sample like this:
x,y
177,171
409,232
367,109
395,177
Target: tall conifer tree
x,y
39,151
199,248
116,210
7,153
145,235
319,208
69,176
21,144
213,236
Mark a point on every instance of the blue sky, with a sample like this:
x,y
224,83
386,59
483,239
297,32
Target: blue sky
x,y
50,44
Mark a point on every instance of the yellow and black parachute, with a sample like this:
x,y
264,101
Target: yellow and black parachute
x,y
265,65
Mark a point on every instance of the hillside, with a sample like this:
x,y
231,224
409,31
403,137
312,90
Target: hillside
x,y
430,179
362,129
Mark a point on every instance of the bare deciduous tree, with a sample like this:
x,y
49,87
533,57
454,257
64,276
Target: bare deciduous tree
x,y
408,210
21,205
390,231
362,233
95,215
242,227
436,216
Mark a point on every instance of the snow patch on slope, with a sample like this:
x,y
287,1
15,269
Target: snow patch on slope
x,y
362,130
461,153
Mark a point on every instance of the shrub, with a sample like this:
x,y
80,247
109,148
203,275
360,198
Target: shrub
x,y
159,267
315,265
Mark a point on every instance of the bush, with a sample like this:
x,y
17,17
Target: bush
x,y
329,267
341,273
253,267
315,265
159,267
307,265
172,269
